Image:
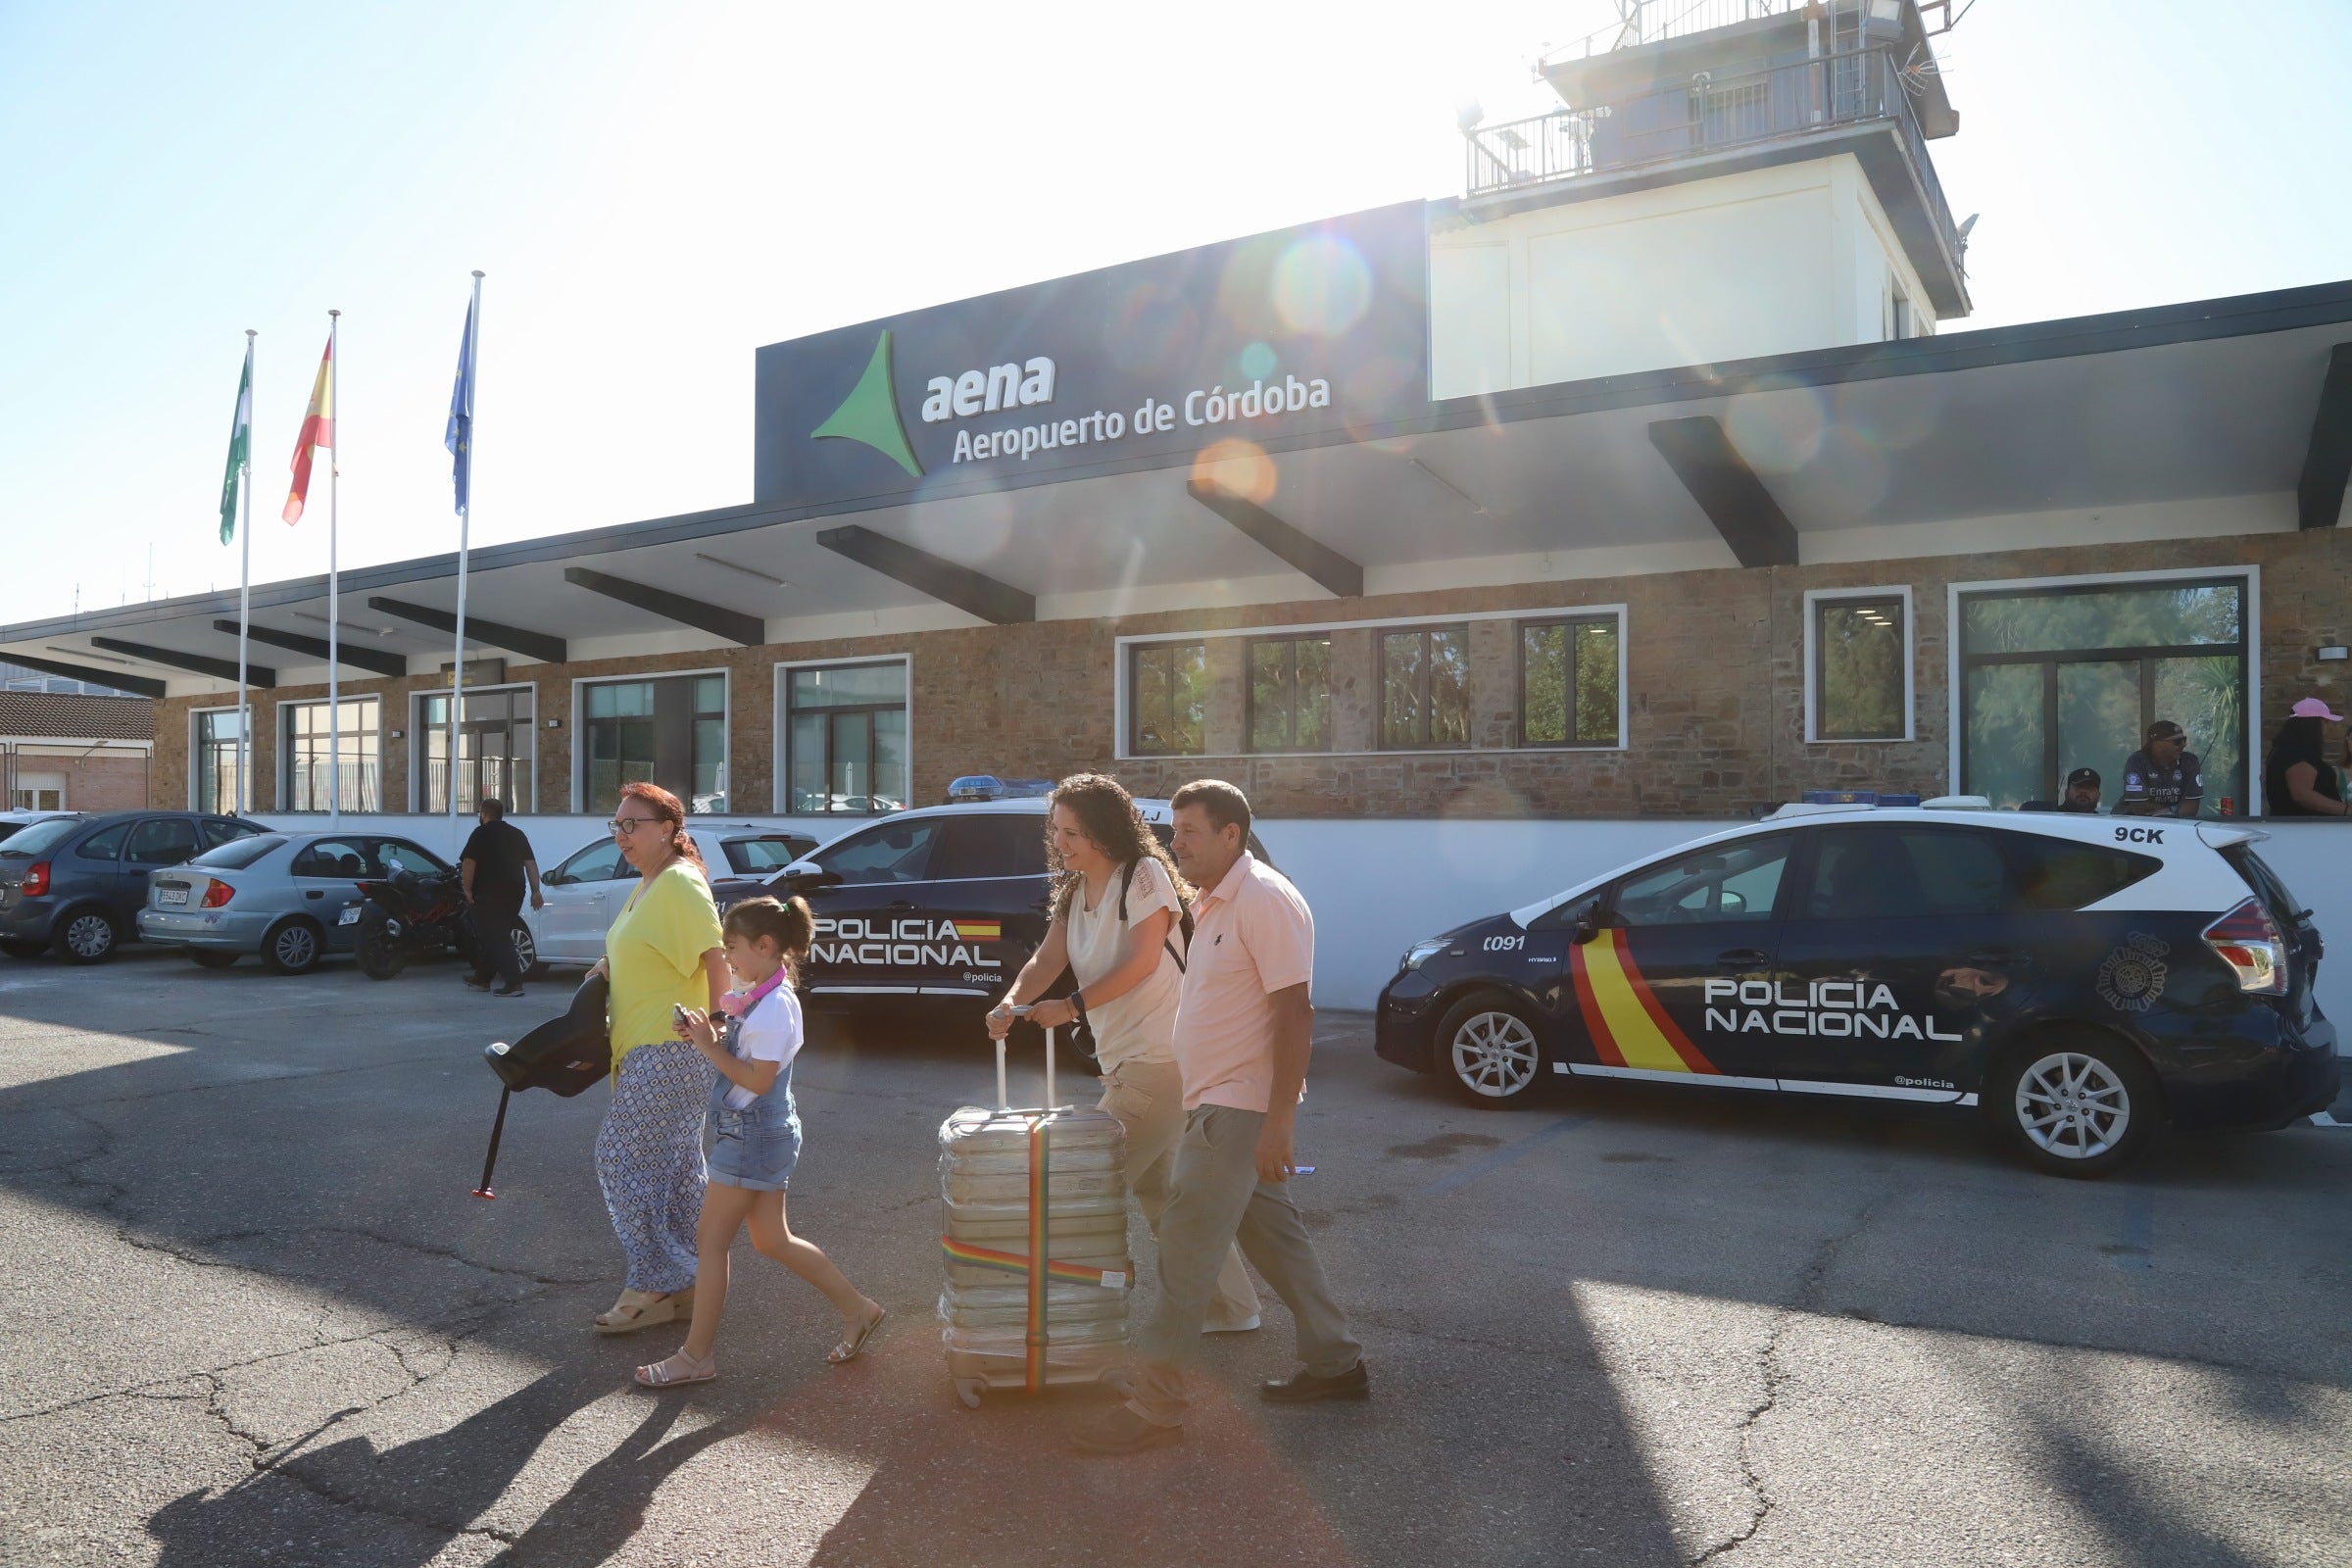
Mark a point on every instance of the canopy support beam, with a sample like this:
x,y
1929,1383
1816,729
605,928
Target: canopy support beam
x,y
536,645
2328,459
294,642
194,664
716,619
974,593
1334,572
1726,490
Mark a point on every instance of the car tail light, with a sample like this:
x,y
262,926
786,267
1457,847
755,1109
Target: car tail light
x,y
217,894
2248,942
36,879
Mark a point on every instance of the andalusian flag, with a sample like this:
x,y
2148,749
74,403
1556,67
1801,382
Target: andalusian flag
x,y
317,431
240,443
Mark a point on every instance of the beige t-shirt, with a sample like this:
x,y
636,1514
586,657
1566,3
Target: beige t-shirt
x,y
1138,1026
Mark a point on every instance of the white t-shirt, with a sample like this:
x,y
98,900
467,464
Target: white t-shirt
x,y
1138,1026
770,1032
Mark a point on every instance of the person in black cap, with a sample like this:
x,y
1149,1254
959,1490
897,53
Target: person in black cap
x,y
2164,778
2082,793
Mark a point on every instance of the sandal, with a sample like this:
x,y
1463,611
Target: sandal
x,y
642,1310
851,1346
659,1374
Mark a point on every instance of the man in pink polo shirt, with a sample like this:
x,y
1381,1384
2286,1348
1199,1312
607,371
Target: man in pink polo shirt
x,y
1242,1026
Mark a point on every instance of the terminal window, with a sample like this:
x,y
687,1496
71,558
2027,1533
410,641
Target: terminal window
x,y
845,729
1568,687
214,770
495,750
1166,691
2072,675
1289,694
1859,649
335,755
1424,688
671,731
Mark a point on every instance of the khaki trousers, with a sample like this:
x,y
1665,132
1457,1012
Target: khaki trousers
x,y
1148,1098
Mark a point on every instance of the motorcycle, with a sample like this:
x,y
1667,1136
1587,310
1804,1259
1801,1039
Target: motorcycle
x,y
410,914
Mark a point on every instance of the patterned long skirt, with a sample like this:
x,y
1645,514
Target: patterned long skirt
x,y
648,1161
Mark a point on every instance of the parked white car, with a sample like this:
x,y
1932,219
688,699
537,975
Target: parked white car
x,y
585,890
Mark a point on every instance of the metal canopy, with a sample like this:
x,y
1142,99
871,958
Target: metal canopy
x,y
316,647
2327,459
732,625
2189,403
942,580
1335,573
530,644
1726,490
194,664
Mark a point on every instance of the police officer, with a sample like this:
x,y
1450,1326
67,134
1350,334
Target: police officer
x,y
2164,778
2082,793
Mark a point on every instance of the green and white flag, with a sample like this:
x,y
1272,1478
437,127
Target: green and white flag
x,y
240,440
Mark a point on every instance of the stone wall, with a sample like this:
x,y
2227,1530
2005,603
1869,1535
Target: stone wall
x,y
1714,671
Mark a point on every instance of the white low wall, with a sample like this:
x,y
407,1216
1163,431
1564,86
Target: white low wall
x,y
1377,887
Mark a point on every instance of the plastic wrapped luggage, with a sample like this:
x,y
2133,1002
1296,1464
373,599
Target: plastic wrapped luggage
x,y
1033,1238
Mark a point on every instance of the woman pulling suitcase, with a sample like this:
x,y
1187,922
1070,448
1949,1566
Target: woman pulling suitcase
x,y
1117,915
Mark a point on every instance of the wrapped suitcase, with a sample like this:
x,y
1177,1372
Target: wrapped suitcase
x,y
1034,1241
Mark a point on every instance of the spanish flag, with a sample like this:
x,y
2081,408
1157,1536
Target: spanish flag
x,y
980,930
317,431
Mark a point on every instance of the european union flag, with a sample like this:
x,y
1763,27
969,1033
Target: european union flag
x,y
459,438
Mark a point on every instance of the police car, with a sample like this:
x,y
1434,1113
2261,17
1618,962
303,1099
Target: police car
x,y
938,904
2083,980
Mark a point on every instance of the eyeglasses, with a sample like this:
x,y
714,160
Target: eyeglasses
x,y
623,826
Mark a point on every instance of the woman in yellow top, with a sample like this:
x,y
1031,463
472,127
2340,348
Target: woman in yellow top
x,y
665,952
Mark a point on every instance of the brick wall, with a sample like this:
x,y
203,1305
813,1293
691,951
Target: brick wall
x,y
92,780
1714,668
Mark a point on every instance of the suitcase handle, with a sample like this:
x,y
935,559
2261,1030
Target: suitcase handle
x,y
1004,1099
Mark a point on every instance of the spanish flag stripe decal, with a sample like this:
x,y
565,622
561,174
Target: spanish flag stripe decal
x,y
1632,1028
980,930
1693,1057
1594,1025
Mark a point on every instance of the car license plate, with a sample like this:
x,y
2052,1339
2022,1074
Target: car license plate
x,y
172,895
349,916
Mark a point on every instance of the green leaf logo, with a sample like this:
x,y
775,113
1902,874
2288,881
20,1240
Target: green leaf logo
x,y
869,415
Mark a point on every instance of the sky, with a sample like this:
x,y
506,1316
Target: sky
x,y
654,192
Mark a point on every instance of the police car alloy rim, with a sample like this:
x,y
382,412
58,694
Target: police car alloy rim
x,y
2073,1105
1494,1054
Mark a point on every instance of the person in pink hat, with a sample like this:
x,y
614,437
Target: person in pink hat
x,y
2296,778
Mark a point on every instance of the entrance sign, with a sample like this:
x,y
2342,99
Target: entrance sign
x,y
1296,337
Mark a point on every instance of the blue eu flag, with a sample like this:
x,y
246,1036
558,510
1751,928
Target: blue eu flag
x,y
459,438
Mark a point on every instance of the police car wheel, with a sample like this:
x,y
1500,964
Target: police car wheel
x,y
2075,1106
1486,1048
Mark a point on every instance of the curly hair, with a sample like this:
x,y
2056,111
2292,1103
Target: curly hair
x,y
1107,816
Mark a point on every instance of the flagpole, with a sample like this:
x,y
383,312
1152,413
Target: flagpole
x,y
334,607
245,615
457,675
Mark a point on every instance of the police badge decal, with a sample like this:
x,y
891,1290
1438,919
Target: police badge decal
x,y
2132,977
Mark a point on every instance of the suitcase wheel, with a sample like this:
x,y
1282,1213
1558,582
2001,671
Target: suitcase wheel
x,y
969,1390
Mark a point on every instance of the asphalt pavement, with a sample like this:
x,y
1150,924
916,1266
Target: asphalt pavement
x,y
250,1314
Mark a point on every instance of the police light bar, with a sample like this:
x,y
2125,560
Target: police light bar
x,y
988,787
1856,798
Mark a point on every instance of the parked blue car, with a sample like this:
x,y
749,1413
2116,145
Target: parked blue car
x,y
78,883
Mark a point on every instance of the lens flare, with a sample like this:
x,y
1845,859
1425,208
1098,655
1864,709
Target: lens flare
x,y
1322,286
1256,362
1236,468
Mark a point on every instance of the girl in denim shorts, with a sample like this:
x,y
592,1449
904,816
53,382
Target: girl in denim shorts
x,y
757,1139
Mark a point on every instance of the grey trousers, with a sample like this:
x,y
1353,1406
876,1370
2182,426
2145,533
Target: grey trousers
x,y
1215,1198
1147,1098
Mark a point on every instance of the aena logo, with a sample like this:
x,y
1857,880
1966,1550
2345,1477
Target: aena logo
x,y
1000,386
869,415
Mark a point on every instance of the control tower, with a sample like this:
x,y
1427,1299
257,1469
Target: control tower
x,y
1723,178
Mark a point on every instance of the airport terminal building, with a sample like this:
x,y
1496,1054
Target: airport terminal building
x,y
1646,478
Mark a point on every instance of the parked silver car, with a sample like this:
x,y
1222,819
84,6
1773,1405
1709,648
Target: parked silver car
x,y
291,898
587,888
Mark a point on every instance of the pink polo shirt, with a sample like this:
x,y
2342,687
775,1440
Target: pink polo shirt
x,y
1252,936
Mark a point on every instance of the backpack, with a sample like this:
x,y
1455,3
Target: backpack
x,y
1184,916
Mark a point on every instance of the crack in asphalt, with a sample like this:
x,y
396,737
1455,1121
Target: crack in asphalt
x,y
1804,1304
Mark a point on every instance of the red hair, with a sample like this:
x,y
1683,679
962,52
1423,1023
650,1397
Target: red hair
x,y
669,809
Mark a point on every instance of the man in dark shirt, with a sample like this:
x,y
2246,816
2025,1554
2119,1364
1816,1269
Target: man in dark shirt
x,y
496,867
2082,793
2164,778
